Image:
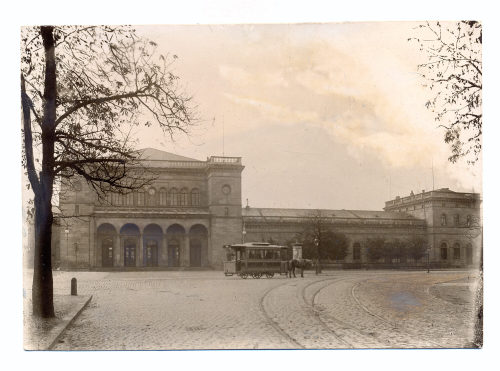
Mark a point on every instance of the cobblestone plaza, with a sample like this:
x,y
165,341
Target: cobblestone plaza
x,y
334,310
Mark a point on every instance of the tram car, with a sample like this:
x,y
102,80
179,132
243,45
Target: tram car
x,y
256,259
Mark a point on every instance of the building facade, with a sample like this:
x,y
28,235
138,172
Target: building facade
x,y
193,208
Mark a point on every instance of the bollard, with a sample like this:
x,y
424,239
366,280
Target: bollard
x,y
73,287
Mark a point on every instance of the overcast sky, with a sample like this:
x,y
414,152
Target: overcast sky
x,y
323,115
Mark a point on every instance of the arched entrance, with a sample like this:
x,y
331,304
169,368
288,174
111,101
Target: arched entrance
x,y
106,236
197,245
151,242
444,251
175,237
130,237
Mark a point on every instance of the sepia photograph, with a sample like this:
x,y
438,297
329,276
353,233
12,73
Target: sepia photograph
x,y
252,186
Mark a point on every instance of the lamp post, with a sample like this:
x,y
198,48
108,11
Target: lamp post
x,y
66,231
316,243
428,253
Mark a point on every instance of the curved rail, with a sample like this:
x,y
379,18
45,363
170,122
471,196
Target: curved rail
x,y
317,313
273,323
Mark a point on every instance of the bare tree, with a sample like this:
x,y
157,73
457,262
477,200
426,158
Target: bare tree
x,y
320,241
454,73
83,89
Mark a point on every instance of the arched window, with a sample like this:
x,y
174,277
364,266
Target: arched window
x,y
444,251
140,198
456,251
128,199
195,197
183,197
172,197
163,197
151,196
108,199
117,199
456,219
443,219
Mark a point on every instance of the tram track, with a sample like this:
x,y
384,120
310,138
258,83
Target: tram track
x,y
382,319
317,312
307,309
273,323
325,326
343,329
355,335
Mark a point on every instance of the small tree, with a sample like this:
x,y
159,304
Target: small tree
x,y
320,242
454,73
334,246
375,248
416,247
395,249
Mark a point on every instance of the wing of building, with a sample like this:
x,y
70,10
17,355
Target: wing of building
x,y
193,208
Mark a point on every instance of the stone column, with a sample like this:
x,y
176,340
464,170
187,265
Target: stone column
x,y
139,256
117,251
163,252
184,251
205,252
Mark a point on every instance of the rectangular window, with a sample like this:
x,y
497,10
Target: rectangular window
x,y
77,210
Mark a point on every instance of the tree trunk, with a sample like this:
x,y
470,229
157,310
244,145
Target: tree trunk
x,y
42,294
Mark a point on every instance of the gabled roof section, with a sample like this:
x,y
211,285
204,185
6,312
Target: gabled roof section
x,y
152,154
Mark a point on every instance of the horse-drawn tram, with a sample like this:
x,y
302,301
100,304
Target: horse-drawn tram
x,y
255,259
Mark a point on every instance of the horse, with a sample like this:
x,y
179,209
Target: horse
x,y
298,263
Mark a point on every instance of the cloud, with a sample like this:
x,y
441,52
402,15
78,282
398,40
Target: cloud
x,y
370,103
358,81
274,112
239,77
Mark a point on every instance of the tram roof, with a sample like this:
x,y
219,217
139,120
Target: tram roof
x,y
262,245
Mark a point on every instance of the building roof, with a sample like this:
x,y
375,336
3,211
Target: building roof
x,y
153,154
309,213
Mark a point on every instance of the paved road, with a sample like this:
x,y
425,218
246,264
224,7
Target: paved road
x,y
205,310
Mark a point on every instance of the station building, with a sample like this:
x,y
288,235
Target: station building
x,y
194,208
